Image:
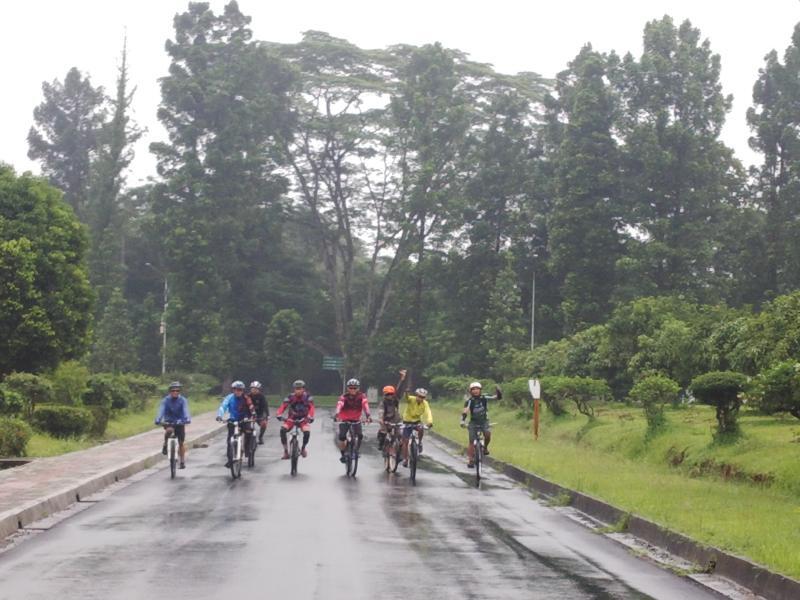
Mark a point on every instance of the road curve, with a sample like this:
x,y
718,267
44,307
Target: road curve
x,y
320,535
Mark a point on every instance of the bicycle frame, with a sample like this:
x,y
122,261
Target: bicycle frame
x,y
413,451
172,448
294,445
392,446
351,449
237,447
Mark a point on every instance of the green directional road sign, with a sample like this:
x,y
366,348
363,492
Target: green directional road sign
x,y
333,363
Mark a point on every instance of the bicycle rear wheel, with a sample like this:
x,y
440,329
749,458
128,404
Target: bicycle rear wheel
x,y
413,455
173,460
251,451
294,453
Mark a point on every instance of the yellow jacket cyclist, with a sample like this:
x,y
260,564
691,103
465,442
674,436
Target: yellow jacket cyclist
x,y
417,411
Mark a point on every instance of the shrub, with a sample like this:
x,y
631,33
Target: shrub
x,y
34,389
652,392
11,402
69,382
100,416
516,392
194,383
583,391
456,386
108,390
62,421
141,387
777,388
721,389
14,436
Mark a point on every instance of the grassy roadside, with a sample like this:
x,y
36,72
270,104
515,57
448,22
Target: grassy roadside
x,y
132,423
741,497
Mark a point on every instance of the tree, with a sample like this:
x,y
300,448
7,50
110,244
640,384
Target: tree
x,y
65,134
114,349
582,224
45,298
281,343
504,327
104,211
652,392
721,390
777,388
677,175
224,105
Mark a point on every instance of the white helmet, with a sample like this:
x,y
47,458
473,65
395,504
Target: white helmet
x,y
237,385
422,392
256,384
475,384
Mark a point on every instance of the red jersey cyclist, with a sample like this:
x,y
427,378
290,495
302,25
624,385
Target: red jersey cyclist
x,y
300,405
348,411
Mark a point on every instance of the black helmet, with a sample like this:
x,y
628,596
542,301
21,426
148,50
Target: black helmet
x,y
353,383
175,385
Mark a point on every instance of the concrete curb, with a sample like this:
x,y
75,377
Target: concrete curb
x,y
756,578
22,516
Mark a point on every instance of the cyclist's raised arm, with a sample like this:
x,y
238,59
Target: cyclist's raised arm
x,y
401,385
498,394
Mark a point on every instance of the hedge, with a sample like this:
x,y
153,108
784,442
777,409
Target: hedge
x,y
62,421
14,436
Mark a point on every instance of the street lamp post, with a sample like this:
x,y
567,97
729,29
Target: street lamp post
x,y
533,308
163,326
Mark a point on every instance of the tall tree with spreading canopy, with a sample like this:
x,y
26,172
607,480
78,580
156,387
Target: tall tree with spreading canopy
x,y
64,136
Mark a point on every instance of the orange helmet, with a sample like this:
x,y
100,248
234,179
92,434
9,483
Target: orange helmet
x,y
389,389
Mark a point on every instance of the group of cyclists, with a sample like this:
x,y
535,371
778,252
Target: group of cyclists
x,y
251,410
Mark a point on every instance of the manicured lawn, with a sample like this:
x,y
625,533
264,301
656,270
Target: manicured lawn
x,y
743,496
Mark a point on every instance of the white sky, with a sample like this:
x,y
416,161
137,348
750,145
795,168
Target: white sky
x,y
40,40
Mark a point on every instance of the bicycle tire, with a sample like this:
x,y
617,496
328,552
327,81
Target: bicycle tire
x,y
387,458
251,454
173,462
294,454
236,463
354,461
412,461
348,457
478,460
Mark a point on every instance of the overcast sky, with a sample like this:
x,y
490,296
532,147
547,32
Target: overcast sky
x,y
41,40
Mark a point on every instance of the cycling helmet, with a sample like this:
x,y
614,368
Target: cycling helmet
x,y
299,383
256,384
475,384
421,392
237,385
175,385
389,389
353,383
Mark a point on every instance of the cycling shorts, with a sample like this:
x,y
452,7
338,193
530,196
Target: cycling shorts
x,y
180,432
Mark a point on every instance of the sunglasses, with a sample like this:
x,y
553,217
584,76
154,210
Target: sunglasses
x,y
352,387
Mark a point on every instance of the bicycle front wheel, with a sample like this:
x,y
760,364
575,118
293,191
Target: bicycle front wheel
x,y
173,460
413,455
293,455
236,459
478,461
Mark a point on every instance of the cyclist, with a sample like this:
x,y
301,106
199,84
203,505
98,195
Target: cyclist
x,y
477,406
301,408
238,406
416,411
348,410
173,413
262,408
389,414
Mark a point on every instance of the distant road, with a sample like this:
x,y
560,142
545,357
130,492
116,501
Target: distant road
x,y
321,535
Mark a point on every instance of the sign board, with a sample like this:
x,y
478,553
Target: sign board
x,y
535,389
333,363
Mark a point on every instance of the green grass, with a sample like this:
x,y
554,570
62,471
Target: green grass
x,y
743,497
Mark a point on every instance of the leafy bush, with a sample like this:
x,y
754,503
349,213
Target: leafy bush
x,y
142,388
62,421
721,389
456,386
34,389
11,402
108,390
516,393
583,391
100,416
69,382
777,388
194,383
652,392
14,436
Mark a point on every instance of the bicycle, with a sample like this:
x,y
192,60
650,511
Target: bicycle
x,y
392,447
478,452
235,448
172,448
351,449
413,451
251,443
294,444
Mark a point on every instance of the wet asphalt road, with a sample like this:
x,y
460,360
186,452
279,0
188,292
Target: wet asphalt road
x,y
321,535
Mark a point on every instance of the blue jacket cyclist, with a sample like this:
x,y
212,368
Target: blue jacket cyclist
x,y
173,414
239,406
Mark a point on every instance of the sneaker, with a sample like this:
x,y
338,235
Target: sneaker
x,y
470,465
303,452
164,449
342,459
420,448
485,451
228,465
182,466
285,455
405,464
